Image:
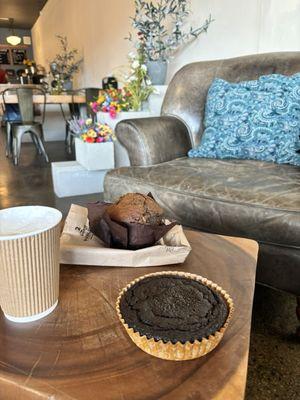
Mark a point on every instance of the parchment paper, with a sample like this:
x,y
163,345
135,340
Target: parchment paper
x,y
79,246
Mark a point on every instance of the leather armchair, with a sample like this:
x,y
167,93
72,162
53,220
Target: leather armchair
x,y
155,140
247,198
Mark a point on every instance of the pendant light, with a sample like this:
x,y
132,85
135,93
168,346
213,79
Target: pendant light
x,y
13,39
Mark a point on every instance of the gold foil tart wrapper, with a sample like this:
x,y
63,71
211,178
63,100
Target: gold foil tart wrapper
x,y
178,351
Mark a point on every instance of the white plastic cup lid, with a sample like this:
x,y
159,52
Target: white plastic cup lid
x,y
20,222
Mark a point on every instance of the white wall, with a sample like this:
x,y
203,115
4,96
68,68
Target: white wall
x,y
280,28
98,27
242,27
95,27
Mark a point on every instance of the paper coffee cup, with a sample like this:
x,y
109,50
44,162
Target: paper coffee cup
x,y
29,262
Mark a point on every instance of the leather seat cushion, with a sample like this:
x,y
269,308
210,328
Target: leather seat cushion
x,y
254,199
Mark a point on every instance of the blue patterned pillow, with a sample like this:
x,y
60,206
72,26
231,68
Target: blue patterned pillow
x,y
257,120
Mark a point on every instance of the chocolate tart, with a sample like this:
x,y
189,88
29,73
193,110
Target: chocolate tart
x,y
174,315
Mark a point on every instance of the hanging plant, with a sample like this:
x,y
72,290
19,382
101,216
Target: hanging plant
x,y
160,27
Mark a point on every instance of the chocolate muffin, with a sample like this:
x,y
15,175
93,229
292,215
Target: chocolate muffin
x,y
136,208
174,315
134,222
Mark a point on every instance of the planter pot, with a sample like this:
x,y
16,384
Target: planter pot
x,y
157,71
68,85
95,156
105,118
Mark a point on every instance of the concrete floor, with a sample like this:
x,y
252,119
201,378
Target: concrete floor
x,y
30,182
274,362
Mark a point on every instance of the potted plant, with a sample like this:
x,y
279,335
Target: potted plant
x,y
138,84
64,66
113,105
94,145
111,101
160,32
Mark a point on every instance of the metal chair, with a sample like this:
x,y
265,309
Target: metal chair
x,y
16,129
74,112
9,116
91,94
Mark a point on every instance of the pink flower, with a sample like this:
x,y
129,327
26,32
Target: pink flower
x,y
112,112
99,140
94,107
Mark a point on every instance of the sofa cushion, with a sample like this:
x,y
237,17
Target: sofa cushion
x,y
257,120
253,199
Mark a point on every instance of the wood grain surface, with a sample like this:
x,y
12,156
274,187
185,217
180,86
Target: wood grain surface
x,y
82,352
50,99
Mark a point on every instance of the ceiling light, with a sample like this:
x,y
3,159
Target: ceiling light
x,y
13,39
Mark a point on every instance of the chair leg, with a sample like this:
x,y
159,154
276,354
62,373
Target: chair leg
x,y
67,133
41,145
70,143
16,148
8,149
36,143
39,135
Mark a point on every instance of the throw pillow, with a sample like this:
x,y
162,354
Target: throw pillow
x,y
257,120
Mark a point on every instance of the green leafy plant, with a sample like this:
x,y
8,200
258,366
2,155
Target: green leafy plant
x,y
138,83
160,27
66,62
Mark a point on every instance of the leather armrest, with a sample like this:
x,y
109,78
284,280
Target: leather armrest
x,y
155,140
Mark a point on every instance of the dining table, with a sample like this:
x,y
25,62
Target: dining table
x,y
64,98
59,99
50,99
57,108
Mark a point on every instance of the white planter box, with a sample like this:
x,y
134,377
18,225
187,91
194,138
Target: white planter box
x,y
105,118
95,156
72,179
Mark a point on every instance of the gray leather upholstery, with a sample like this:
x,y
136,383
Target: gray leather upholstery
x,y
244,198
261,201
153,140
186,94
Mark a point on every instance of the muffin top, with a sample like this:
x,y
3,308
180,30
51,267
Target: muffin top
x,y
173,308
136,208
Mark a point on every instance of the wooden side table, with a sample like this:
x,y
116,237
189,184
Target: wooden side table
x,y
82,352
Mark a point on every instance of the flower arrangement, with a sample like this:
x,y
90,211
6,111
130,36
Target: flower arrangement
x,y
112,101
29,63
65,64
138,83
137,88
91,132
160,27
